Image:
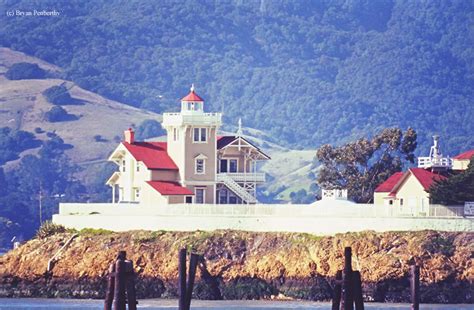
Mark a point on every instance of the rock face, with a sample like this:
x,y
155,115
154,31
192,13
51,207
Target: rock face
x,y
245,265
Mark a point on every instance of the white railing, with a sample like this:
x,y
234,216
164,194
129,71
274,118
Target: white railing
x,y
194,119
237,189
257,177
428,162
243,210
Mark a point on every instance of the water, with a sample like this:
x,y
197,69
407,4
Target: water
x,y
165,304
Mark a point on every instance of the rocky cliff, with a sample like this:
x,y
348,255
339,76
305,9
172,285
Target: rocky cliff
x,y
245,265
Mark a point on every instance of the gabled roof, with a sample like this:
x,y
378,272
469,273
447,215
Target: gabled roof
x,y
224,141
425,177
152,154
192,96
390,183
466,155
169,188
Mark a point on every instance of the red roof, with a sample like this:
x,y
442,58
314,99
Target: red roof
x,y
425,177
466,155
388,185
192,96
169,188
152,154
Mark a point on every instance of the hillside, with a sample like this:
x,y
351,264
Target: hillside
x,y
23,107
243,265
306,72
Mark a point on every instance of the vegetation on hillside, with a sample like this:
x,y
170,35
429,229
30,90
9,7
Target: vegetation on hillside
x,y
360,166
25,70
58,95
13,142
456,189
307,72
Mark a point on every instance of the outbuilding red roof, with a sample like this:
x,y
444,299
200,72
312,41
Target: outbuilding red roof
x,y
192,96
466,155
425,177
169,188
388,185
152,154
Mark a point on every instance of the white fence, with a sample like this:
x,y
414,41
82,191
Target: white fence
x,y
343,210
319,220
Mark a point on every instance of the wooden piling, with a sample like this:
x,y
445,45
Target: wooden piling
x,y
336,299
357,290
182,279
109,294
119,294
347,291
130,279
415,287
193,262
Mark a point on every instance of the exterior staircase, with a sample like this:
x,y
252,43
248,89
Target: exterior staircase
x,y
237,189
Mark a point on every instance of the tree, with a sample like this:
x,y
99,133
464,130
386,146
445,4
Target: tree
x,y
58,95
25,70
149,129
58,114
361,165
456,189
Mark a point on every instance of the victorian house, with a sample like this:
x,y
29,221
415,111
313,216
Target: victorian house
x,y
195,165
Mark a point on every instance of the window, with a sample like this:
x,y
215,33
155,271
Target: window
x,y
223,196
233,165
123,165
200,135
232,198
199,168
175,134
401,202
137,193
189,199
138,166
199,193
223,165
390,202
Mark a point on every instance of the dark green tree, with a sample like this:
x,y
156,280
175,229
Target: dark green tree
x,y
361,165
58,95
456,189
149,129
25,70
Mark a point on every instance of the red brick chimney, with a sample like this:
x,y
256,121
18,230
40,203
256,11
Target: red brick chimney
x,y
129,135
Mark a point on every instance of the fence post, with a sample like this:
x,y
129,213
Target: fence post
x,y
119,295
415,287
182,279
336,299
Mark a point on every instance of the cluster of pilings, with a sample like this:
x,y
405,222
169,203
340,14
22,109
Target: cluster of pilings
x,y
347,290
121,285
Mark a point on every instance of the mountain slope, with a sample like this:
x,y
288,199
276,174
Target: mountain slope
x,y
306,72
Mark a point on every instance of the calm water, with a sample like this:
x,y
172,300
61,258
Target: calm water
x,y
159,304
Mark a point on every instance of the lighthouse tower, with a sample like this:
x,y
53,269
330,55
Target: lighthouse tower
x,y
191,137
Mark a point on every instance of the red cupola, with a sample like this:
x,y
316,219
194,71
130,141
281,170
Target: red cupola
x,y
192,96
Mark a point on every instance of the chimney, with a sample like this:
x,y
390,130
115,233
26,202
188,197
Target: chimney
x,y
129,135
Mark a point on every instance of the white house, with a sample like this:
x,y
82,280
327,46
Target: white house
x,y
195,165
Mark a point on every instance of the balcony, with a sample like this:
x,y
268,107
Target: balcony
x,y
195,119
257,177
440,162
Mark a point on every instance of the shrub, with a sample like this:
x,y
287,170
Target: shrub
x,y
57,114
39,130
25,70
58,95
48,229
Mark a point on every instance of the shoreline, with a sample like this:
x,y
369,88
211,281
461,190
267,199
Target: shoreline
x,y
246,266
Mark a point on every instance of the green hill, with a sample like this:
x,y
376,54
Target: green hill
x,y
306,72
